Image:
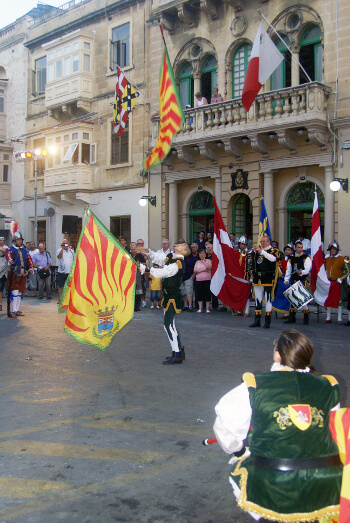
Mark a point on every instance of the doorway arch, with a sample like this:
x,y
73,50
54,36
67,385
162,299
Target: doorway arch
x,y
201,214
300,203
242,216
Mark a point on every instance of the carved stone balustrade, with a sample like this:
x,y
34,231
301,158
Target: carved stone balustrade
x,y
281,112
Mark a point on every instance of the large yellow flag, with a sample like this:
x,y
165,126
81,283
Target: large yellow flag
x,y
99,292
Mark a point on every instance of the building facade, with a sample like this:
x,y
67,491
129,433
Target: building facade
x,y
288,142
57,83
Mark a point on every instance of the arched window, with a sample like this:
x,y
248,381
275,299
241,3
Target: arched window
x,y
239,69
299,207
186,85
242,216
311,54
201,214
282,76
209,77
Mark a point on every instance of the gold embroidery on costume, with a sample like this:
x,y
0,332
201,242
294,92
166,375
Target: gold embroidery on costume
x,y
298,415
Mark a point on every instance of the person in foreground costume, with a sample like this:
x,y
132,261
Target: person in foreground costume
x,y
292,470
20,265
172,270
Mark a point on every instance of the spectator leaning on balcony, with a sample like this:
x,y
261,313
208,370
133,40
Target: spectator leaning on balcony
x,y
216,96
200,100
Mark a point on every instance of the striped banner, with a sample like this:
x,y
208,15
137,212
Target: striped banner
x,y
171,115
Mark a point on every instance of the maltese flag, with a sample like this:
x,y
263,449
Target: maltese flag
x,y
326,293
227,276
264,59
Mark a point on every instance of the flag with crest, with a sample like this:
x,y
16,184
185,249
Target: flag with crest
x,y
264,227
99,293
124,101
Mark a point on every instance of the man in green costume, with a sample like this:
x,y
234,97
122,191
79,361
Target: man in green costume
x,y
171,273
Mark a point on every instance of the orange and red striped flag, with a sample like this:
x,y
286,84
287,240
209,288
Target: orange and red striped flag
x,y
171,114
99,293
339,423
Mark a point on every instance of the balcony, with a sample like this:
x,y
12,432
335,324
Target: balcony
x,y
284,113
74,178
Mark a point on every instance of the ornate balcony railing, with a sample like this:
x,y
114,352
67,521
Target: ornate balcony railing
x,y
290,108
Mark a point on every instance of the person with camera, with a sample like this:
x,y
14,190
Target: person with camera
x,y
65,258
42,262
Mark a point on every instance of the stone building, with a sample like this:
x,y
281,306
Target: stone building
x,y
290,140
69,62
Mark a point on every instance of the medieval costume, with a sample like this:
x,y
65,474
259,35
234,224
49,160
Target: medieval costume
x,y
337,271
281,303
292,471
243,251
20,265
172,271
264,274
298,262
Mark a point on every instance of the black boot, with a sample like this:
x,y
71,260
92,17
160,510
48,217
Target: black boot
x,y
292,318
267,320
256,321
175,358
182,354
306,317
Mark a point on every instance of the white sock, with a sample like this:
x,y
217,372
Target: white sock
x,y
340,313
329,313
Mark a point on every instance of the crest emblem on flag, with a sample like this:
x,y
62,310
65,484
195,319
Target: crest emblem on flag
x,y
300,416
105,320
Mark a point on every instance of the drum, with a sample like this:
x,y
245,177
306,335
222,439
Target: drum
x,y
298,295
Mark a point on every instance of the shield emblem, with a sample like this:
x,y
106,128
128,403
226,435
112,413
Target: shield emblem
x,y
300,416
105,324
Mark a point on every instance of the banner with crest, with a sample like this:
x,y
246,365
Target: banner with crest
x,y
99,293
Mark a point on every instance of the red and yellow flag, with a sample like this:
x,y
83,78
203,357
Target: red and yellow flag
x,y
99,293
339,423
171,114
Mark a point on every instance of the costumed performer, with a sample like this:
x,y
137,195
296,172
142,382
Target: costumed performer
x,y
298,267
292,470
337,271
242,260
264,273
280,303
20,265
172,270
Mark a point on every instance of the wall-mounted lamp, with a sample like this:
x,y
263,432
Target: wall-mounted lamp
x,y
152,200
245,139
272,135
337,183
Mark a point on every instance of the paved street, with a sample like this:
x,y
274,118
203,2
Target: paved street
x,y
92,436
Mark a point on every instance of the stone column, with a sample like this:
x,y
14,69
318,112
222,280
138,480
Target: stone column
x,y
295,66
185,226
173,214
218,191
282,227
268,199
196,83
328,206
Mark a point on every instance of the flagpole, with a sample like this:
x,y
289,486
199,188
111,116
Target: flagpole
x,y
284,43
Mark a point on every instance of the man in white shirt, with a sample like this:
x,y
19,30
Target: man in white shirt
x,y
65,258
165,247
32,279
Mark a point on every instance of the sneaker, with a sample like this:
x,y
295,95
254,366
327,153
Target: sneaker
x,y
185,308
144,304
157,307
190,309
152,307
199,311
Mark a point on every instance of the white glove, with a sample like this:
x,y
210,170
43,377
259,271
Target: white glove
x,y
339,280
142,268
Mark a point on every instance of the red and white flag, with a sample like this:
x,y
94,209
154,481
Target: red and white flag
x,y
227,276
264,59
326,293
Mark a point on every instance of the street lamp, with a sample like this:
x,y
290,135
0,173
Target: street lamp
x,y
152,200
337,183
34,155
